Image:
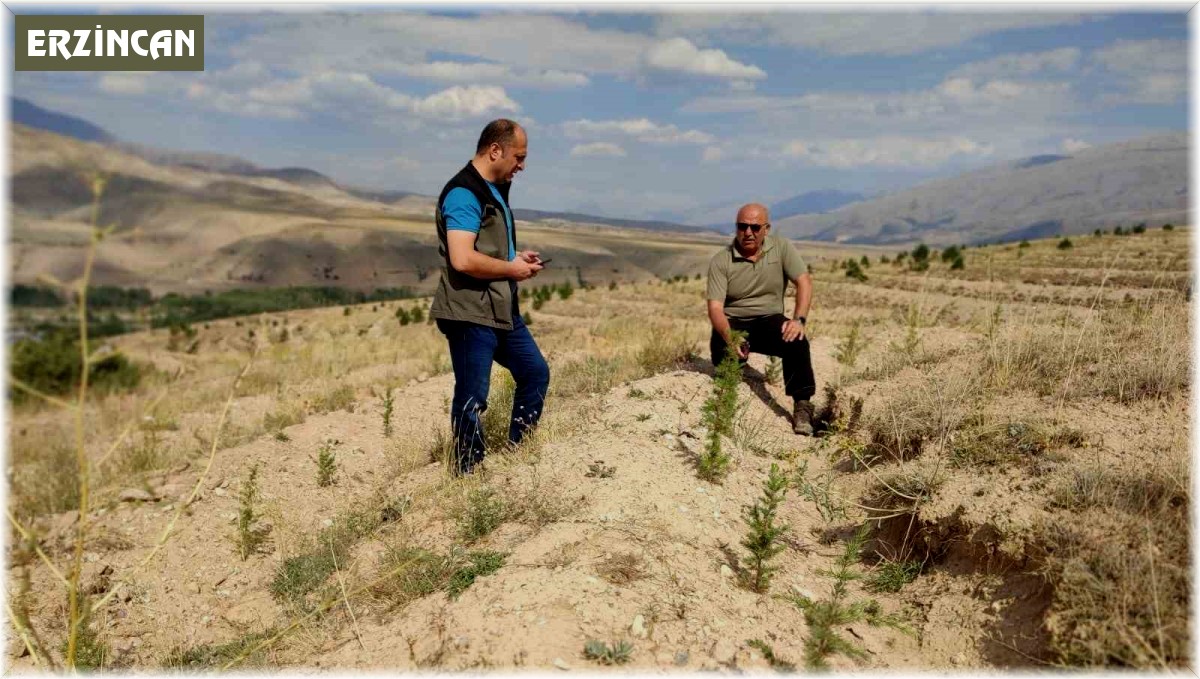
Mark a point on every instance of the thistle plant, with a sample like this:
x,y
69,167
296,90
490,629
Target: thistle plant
x,y
719,410
762,541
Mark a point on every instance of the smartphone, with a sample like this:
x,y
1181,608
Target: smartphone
x,y
546,261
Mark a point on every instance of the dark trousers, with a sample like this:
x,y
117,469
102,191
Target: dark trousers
x,y
765,334
473,348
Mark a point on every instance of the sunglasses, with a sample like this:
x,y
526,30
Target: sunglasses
x,y
742,226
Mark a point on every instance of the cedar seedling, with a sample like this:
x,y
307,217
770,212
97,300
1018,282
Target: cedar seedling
x,y
762,541
326,465
719,411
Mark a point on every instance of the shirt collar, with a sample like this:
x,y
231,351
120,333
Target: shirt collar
x,y
736,254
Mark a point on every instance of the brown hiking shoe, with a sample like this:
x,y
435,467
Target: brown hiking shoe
x,y
802,418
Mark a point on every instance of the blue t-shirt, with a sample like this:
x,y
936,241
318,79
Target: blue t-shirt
x,y
463,213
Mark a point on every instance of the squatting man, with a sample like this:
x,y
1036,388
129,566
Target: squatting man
x,y
746,285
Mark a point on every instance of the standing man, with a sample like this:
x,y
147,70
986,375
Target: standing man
x,y
746,282
476,300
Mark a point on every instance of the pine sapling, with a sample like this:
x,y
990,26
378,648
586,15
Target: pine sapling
x,y
248,538
326,465
719,410
389,401
762,542
774,372
848,350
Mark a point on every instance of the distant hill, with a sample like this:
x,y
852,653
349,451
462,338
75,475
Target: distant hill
x,y
813,202
28,113
1144,180
577,218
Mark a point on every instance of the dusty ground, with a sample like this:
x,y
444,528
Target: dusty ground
x,y
650,554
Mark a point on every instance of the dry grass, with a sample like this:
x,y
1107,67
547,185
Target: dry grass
x,y
622,568
1123,354
926,414
1121,570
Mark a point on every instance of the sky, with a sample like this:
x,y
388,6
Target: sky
x,y
662,113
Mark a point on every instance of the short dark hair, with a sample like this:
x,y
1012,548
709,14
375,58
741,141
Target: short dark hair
x,y
501,131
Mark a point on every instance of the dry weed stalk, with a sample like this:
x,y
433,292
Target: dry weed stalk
x,y
78,613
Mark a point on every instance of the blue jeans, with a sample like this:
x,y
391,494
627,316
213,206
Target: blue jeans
x,y
473,347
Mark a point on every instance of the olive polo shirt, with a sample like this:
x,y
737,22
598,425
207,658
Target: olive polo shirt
x,y
751,289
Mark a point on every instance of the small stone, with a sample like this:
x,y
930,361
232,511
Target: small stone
x,y
683,509
724,651
327,522
462,641
681,658
220,492
959,659
224,483
638,628
193,587
66,520
135,495
423,377
663,658
726,571
561,664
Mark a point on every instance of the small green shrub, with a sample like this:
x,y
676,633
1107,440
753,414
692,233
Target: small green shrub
x,y
891,576
484,512
618,653
479,564
54,366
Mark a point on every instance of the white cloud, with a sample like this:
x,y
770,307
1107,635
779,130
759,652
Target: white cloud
x,y
499,74
1070,145
680,55
378,43
848,33
1145,71
599,148
953,101
641,129
890,151
1021,64
347,95
1139,57
124,82
712,154
465,102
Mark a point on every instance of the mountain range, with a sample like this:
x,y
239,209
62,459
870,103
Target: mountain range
x,y
1143,180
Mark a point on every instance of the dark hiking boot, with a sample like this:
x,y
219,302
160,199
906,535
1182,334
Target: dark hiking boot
x,y
802,418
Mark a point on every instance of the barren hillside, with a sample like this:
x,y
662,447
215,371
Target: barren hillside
x,y
187,229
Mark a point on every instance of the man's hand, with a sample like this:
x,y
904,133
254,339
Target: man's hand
x,y
743,350
530,256
792,331
521,269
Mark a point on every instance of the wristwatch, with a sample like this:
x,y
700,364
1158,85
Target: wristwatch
x,y
802,319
